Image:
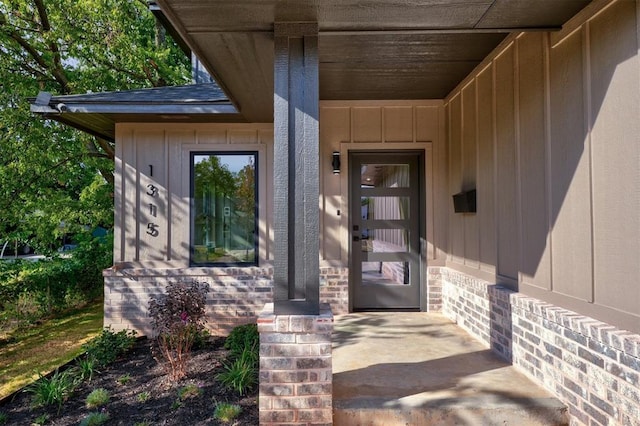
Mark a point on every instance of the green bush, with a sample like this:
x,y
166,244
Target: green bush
x,y
108,345
4,418
54,284
241,337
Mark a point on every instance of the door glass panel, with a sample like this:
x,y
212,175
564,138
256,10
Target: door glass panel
x,y
385,240
385,175
385,273
384,208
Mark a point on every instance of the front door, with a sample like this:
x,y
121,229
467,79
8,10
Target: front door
x,y
386,220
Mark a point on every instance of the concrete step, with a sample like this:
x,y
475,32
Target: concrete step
x,y
421,369
473,411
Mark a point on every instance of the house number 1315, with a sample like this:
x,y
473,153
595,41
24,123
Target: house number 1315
x,y
152,228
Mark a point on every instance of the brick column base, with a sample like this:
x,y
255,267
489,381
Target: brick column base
x,y
295,368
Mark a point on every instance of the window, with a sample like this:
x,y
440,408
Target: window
x,y
224,219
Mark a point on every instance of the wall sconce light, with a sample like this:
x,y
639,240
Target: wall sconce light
x,y
335,162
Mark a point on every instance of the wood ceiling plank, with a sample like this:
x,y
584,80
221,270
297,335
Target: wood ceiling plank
x,y
244,61
530,13
406,48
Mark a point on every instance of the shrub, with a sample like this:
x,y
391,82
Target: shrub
x,y
241,337
31,290
226,412
97,398
143,397
95,418
4,418
109,345
52,390
177,317
241,375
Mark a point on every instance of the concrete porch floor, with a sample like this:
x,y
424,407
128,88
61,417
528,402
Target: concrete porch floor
x,y
415,368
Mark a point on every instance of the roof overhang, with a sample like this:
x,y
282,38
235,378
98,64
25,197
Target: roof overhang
x,y
97,113
368,49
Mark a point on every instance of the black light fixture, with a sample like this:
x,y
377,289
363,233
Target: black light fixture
x,y
335,162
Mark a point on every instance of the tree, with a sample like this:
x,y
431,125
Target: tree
x,y
51,174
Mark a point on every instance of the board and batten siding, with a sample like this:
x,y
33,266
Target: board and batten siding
x,y
344,126
350,126
159,155
547,130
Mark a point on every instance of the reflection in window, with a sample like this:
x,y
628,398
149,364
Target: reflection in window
x,y
224,212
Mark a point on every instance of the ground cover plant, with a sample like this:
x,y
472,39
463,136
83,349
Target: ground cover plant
x,y
147,396
226,412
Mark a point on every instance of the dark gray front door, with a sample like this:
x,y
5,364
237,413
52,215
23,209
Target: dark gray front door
x,y
386,220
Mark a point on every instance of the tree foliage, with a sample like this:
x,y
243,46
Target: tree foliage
x,y
54,179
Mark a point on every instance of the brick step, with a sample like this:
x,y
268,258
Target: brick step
x,y
482,410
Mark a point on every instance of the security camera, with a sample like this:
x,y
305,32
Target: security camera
x,y
62,107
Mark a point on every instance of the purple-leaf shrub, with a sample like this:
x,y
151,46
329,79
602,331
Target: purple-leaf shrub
x,y
177,318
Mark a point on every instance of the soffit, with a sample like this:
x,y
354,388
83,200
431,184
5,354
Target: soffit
x,y
369,49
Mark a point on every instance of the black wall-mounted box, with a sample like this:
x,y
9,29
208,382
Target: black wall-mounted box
x,y
465,202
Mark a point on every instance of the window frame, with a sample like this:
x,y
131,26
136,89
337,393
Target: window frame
x,y
192,209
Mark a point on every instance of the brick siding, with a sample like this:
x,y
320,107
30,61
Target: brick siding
x,y
295,368
236,295
593,367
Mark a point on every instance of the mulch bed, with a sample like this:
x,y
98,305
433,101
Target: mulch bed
x,y
162,407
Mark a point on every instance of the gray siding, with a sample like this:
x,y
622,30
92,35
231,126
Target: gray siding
x,y
551,121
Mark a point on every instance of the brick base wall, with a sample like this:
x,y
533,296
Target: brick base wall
x,y
591,366
295,368
334,288
434,289
236,295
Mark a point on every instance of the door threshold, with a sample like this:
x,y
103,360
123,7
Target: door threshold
x,y
386,310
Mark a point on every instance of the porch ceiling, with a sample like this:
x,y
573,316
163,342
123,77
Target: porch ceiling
x,y
369,49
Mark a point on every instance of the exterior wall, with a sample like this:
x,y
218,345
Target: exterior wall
x,y
236,296
546,273
380,125
546,129
159,155
593,367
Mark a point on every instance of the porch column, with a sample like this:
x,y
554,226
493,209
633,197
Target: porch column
x,y
296,171
295,332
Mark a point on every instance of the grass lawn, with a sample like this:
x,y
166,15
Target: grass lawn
x,y
43,347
